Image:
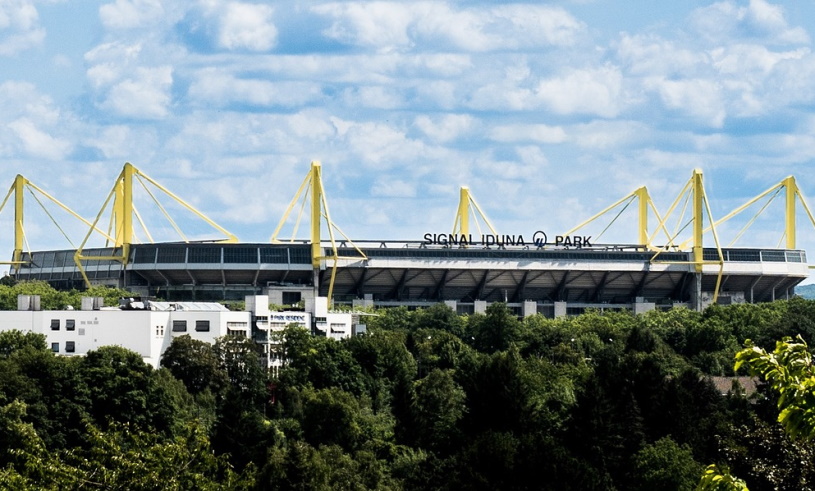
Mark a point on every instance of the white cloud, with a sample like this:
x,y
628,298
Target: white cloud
x,y
447,127
19,27
129,14
587,91
726,22
22,100
145,94
37,143
698,98
390,26
220,88
648,54
35,126
124,86
528,132
247,26
382,144
379,97
121,142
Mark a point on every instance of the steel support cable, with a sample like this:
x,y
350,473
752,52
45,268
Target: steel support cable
x,y
163,210
718,249
141,222
289,208
755,217
346,238
300,213
51,217
616,217
682,215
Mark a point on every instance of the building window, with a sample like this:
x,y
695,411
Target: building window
x,y
70,324
55,324
202,326
55,347
70,346
179,326
159,331
235,332
291,298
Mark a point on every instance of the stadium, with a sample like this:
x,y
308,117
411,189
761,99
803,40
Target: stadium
x,y
533,271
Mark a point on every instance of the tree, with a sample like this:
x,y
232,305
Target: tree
x,y
121,387
789,371
195,363
438,406
495,330
666,465
240,359
13,341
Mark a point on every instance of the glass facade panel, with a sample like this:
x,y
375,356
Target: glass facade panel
x,y
171,254
205,255
274,255
240,255
144,255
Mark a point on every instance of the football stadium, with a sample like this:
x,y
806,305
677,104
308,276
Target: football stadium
x,y
532,271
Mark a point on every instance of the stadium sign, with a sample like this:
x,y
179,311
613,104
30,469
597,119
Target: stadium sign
x,y
539,239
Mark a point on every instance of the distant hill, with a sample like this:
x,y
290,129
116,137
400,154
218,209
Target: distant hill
x,y
806,291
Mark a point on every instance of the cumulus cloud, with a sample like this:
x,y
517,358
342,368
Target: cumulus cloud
x,y
648,54
246,26
698,98
124,86
528,132
219,88
129,14
726,21
34,123
585,91
402,26
38,143
447,127
19,27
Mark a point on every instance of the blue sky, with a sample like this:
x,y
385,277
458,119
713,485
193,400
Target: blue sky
x,y
548,111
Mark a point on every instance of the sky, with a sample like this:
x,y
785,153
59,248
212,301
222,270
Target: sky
x,y
548,112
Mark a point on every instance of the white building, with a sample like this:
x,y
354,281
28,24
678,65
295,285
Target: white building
x,y
148,327
268,325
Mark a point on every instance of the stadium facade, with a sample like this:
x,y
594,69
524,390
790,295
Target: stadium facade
x,y
528,278
532,273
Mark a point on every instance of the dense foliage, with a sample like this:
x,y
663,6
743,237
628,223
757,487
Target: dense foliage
x,y
426,400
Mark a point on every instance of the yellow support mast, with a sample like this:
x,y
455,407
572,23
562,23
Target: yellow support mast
x,y
467,205
123,212
313,185
18,189
316,179
698,191
694,192
19,217
644,203
792,195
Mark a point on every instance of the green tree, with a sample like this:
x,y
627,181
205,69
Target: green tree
x,y
438,406
789,371
195,363
495,330
666,465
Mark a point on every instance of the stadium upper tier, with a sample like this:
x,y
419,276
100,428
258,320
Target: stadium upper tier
x,y
411,272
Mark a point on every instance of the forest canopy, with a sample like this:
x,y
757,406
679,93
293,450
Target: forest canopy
x,y
427,399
